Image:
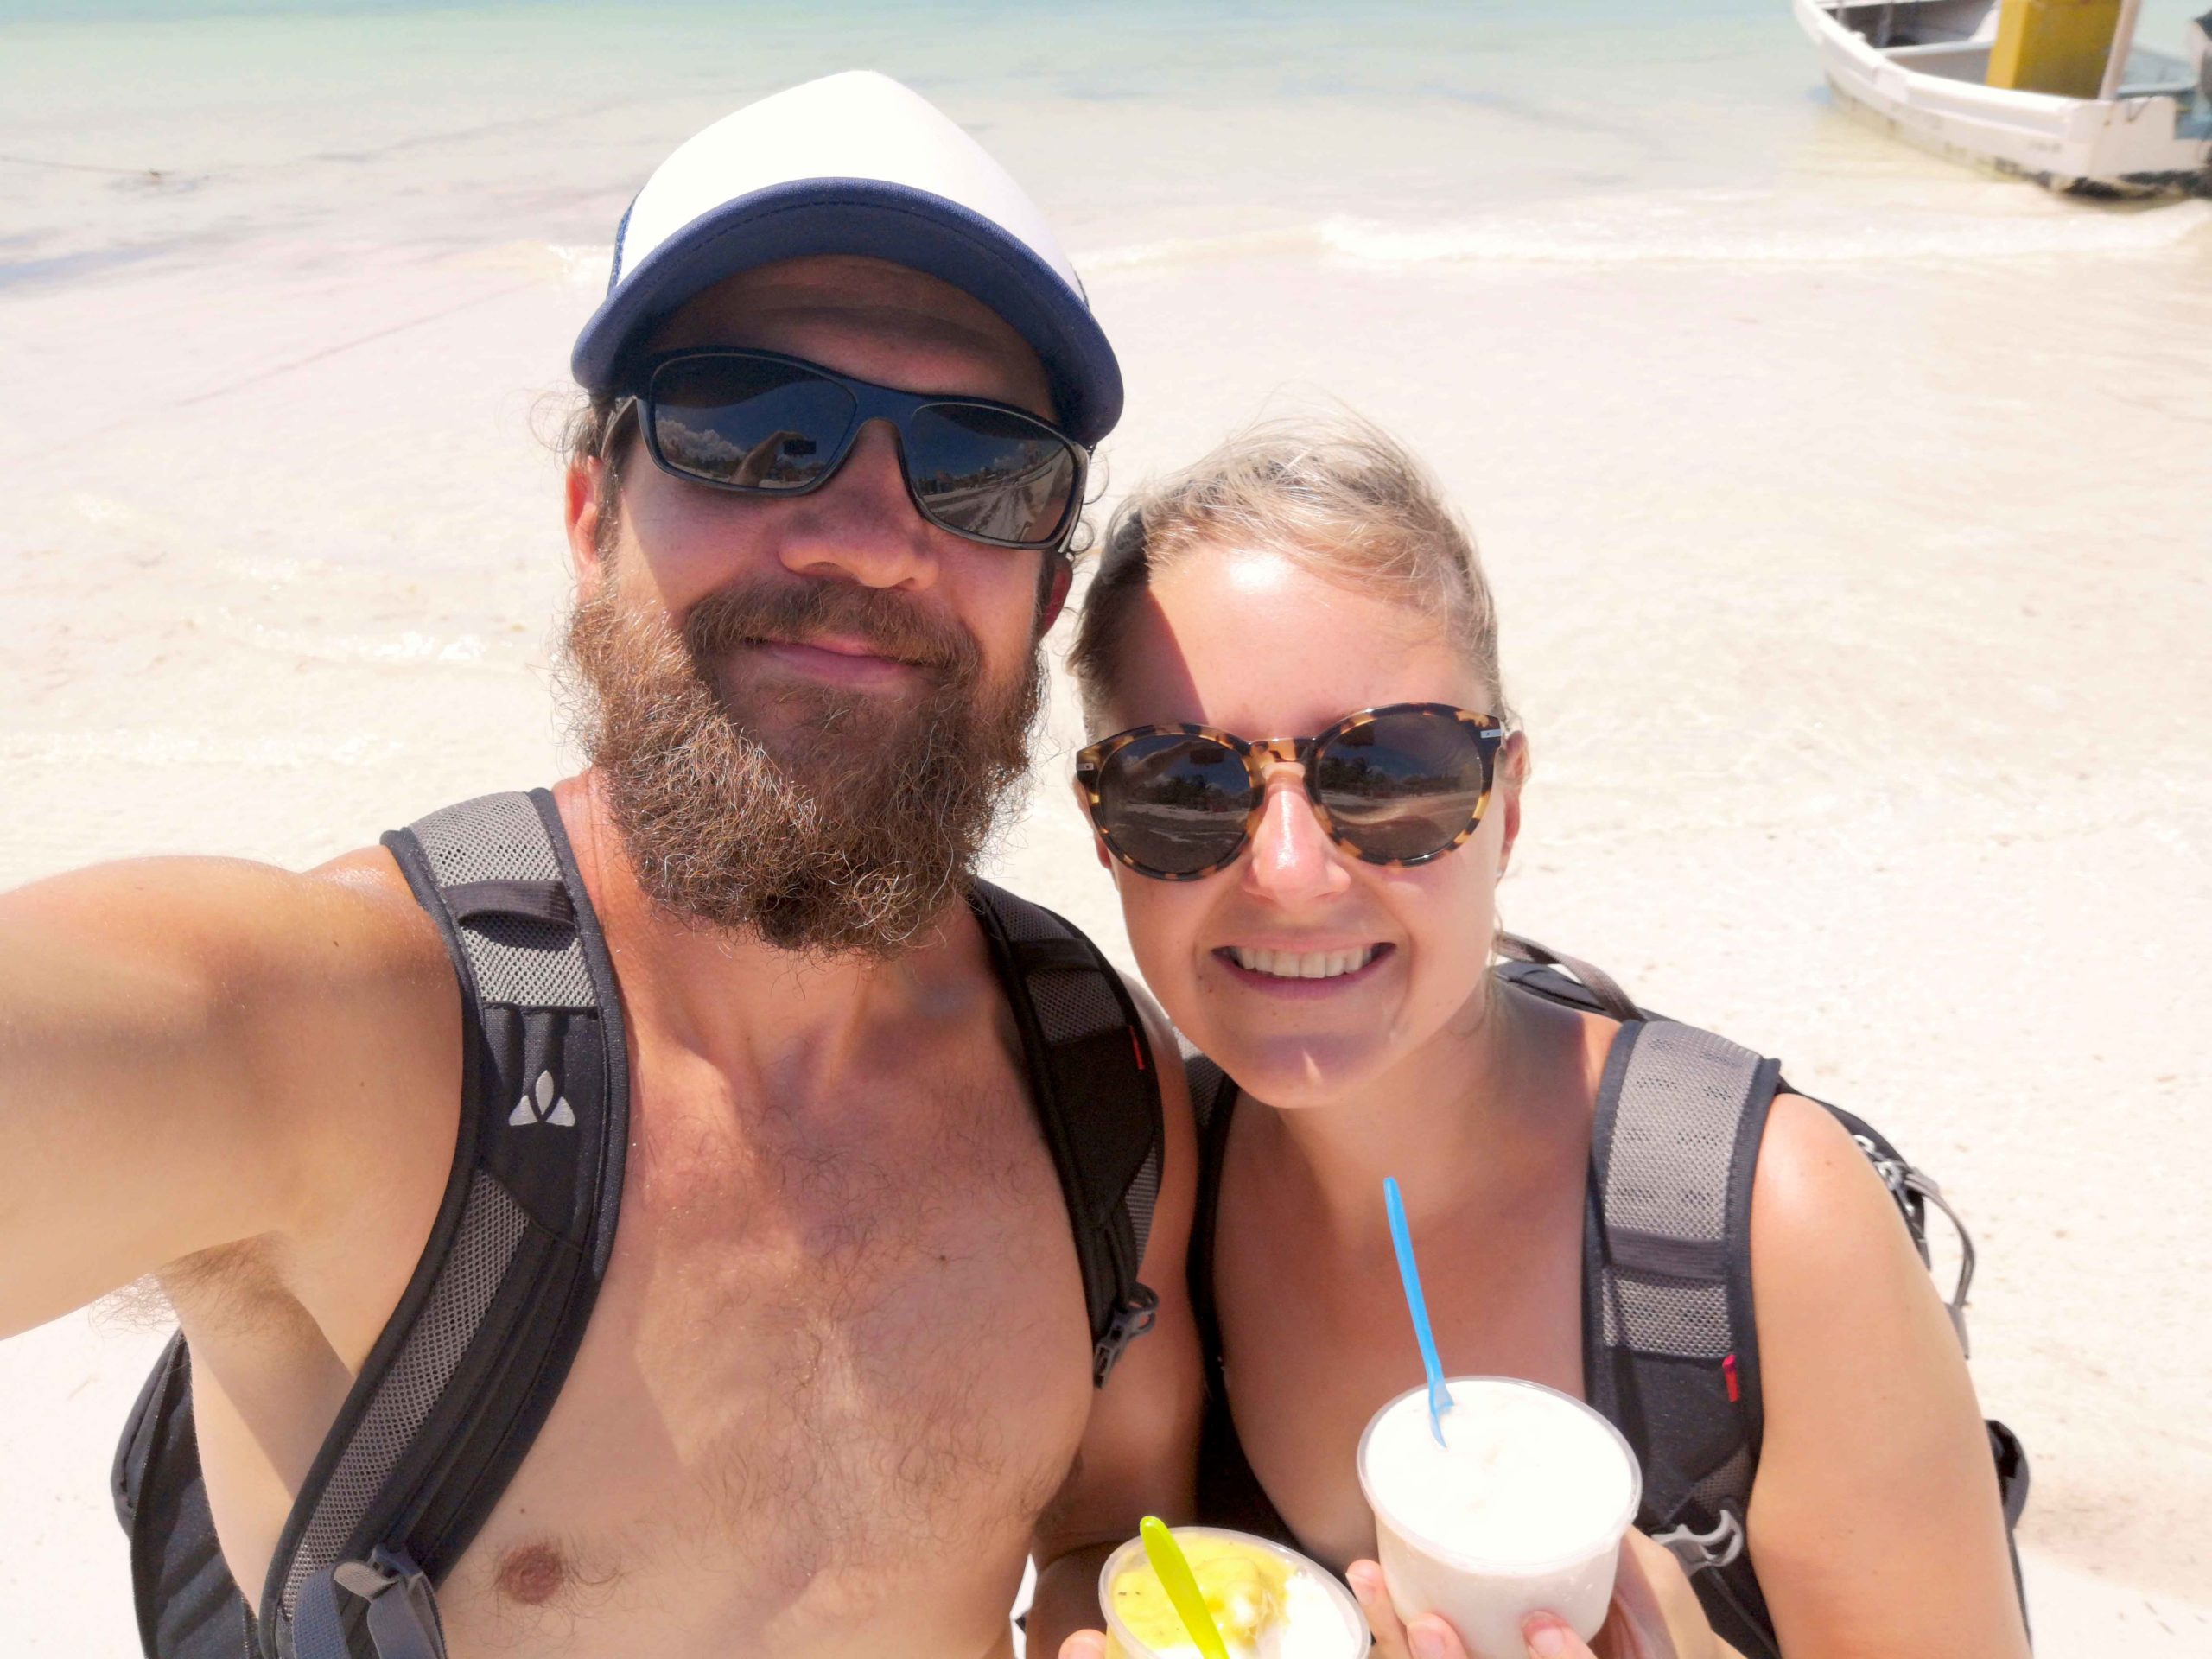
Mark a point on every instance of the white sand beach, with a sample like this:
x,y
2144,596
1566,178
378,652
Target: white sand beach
x,y
1850,515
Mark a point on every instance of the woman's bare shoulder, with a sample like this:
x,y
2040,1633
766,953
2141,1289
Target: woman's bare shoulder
x,y
1875,1468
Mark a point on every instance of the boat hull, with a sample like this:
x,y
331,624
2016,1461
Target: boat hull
x,y
2116,147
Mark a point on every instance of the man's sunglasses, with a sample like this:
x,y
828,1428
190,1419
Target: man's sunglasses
x,y
759,424
1394,786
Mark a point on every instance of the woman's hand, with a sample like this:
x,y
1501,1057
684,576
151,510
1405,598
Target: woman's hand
x,y
1654,1615
1085,1644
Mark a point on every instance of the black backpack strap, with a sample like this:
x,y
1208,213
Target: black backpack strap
x,y
1673,1347
188,1607
1209,1084
1538,968
1213,1104
1097,1099
462,1377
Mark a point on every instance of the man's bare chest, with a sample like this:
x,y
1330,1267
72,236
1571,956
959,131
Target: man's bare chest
x,y
835,1348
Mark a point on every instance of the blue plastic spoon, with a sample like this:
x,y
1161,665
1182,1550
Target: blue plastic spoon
x,y
1439,1397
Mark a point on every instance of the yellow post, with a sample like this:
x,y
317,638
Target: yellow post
x,y
2053,46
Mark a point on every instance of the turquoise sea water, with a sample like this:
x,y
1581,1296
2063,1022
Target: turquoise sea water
x,y
132,133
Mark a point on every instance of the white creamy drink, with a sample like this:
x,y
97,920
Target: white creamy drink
x,y
1521,1509
1268,1602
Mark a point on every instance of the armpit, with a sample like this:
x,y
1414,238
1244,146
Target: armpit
x,y
231,1290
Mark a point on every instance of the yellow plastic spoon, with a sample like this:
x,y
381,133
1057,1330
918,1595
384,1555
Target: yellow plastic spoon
x,y
1182,1586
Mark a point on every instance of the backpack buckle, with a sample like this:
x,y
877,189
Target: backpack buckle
x,y
1697,1551
1892,1171
402,1609
1130,1320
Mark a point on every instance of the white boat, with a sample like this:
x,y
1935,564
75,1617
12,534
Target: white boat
x,y
1919,68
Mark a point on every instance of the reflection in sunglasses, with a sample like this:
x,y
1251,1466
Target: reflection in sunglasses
x,y
1398,785
747,421
769,464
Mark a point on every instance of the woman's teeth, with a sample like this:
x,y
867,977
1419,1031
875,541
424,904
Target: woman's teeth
x,y
1308,965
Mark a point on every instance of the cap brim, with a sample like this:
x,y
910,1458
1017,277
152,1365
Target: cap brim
x,y
885,221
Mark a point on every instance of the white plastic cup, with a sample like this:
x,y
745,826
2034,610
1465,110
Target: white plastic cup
x,y
1523,1513
1321,1620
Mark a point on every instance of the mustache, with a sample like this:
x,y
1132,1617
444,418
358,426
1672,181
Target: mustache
x,y
745,613
842,831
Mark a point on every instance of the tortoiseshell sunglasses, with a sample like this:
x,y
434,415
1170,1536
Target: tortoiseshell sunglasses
x,y
1395,786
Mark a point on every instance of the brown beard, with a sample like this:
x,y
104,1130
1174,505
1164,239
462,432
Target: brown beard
x,y
844,826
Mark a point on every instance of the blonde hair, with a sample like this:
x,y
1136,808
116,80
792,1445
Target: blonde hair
x,y
1337,496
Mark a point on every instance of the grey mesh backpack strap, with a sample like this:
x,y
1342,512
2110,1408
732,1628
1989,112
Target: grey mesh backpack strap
x,y
463,1375
1669,1323
1097,1093
1670,1343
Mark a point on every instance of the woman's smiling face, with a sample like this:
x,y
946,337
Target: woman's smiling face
x,y
1245,640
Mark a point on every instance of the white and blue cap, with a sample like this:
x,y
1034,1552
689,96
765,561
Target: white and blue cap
x,y
853,163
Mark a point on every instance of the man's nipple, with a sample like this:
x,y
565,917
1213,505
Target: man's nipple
x,y
532,1573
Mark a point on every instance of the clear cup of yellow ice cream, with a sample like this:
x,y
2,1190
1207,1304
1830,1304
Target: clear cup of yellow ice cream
x,y
1268,1602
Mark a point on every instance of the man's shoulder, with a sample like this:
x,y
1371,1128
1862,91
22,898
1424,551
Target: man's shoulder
x,y
237,919
224,1027
367,887
337,960
355,913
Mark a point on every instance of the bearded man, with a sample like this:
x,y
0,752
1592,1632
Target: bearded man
x,y
832,1377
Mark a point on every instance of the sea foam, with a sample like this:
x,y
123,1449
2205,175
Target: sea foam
x,y
1738,227
1707,227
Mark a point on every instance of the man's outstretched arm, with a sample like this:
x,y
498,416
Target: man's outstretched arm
x,y
184,1045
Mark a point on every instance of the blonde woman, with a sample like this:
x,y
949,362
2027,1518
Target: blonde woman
x,y
1306,783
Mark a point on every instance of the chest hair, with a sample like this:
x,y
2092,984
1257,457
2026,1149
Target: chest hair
x,y
862,1328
